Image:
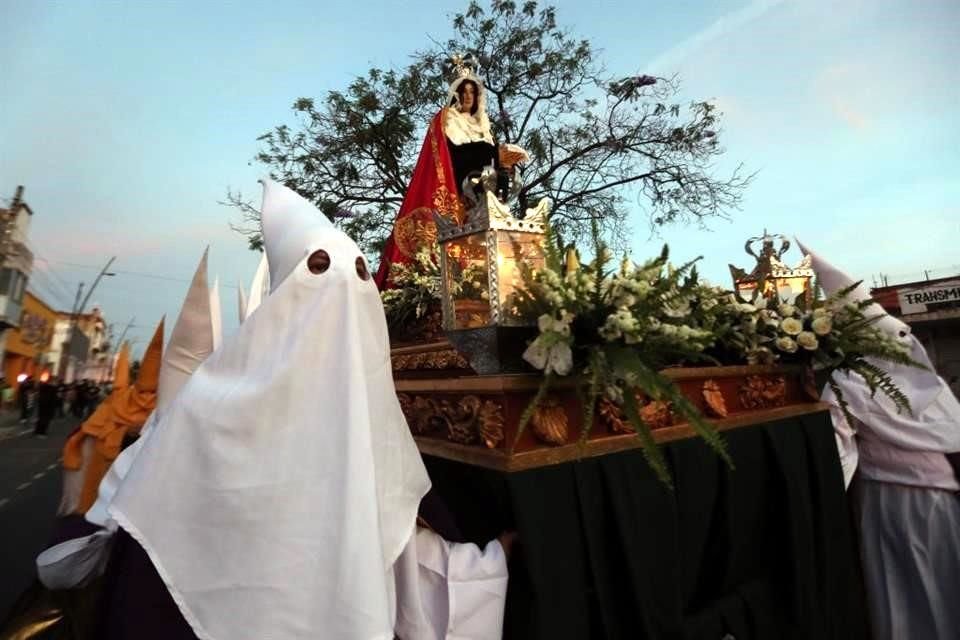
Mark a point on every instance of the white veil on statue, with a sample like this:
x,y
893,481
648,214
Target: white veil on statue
x,y
276,492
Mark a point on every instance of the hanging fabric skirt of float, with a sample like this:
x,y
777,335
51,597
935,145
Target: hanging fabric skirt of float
x,y
910,542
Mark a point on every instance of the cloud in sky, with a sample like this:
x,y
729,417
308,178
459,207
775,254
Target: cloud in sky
x,y
727,25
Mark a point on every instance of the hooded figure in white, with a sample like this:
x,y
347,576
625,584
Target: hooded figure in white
x,y
75,562
277,495
906,500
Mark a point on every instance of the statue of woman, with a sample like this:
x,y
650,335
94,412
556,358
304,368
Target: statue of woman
x,y
458,143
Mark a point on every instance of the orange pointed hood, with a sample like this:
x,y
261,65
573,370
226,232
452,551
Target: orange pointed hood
x,y
121,371
149,375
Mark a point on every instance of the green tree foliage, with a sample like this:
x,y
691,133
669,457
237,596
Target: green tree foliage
x,y
597,144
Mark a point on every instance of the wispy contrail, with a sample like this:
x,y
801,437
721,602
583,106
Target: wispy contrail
x,y
667,62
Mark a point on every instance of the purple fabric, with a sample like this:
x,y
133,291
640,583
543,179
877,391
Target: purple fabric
x,y
137,605
71,527
436,514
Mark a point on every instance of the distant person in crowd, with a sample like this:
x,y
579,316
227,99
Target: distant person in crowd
x,y
76,399
61,398
6,394
47,399
25,398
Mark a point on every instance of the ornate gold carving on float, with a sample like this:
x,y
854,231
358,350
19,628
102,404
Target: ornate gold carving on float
x,y
549,422
464,420
712,395
655,414
759,392
429,360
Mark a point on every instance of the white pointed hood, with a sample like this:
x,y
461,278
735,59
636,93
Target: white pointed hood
x,y
832,280
191,342
259,288
241,304
290,225
935,421
276,492
216,319
192,338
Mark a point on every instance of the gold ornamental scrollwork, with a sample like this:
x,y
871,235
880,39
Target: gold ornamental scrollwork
x,y
549,422
656,414
439,360
712,395
759,392
466,420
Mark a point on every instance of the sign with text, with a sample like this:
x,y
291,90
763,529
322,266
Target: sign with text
x,y
918,299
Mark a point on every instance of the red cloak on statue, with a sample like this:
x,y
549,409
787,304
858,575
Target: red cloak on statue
x,y
432,188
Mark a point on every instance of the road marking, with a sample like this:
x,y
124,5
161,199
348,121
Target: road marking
x,y
37,476
3,502
53,466
23,486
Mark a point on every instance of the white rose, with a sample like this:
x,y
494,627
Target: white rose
x,y
536,354
821,312
791,326
786,344
787,310
822,325
808,341
560,359
545,323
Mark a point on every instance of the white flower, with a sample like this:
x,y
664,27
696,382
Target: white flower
x,y
708,303
760,355
560,359
821,312
536,354
786,344
770,318
808,341
545,323
787,310
747,308
821,325
791,326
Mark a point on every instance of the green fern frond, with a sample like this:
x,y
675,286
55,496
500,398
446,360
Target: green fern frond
x,y
651,450
844,405
589,399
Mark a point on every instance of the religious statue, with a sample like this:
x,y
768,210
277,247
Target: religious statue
x,y
459,150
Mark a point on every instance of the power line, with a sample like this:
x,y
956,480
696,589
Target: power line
x,y
67,287
139,274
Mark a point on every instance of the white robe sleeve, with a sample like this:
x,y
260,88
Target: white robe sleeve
x,y
846,437
450,591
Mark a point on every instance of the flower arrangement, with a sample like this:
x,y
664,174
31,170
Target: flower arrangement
x,y
617,327
416,287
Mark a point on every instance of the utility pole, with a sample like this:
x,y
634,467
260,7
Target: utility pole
x,y
75,314
8,223
116,346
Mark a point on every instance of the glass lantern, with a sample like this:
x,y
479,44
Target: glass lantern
x,y
480,265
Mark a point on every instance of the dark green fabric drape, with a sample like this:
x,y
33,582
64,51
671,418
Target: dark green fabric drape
x,y
765,551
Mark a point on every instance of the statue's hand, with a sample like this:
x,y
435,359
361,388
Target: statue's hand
x,y
511,154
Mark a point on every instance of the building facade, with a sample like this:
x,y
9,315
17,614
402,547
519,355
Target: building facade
x,y
16,259
932,309
28,343
88,354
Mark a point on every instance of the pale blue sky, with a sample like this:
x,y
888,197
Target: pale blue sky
x,y
126,122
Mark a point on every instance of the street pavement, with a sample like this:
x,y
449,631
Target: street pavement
x,y
30,485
